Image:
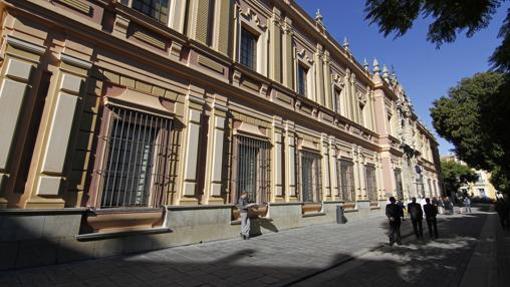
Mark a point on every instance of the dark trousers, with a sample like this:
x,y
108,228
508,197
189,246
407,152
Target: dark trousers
x,y
417,227
394,232
432,223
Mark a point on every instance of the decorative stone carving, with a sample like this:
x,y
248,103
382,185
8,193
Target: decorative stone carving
x,y
250,15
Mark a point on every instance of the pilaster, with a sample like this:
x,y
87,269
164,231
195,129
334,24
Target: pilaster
x,y
57,131
278,162
290,161
326,172
222,38
275,46
21,59
288,56
333,174
319,76
327,81
195,104
214,183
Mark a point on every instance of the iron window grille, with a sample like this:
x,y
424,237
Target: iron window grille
x,y
252,160
311,177
248,49
371,185
135,172
157,9
346,179
301,80
398,183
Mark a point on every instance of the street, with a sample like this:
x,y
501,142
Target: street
x,y
352,254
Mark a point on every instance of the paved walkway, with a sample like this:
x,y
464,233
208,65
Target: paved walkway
x,y
352,254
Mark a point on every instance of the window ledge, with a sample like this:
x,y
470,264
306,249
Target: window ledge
x,y
105,235
313,214
350,210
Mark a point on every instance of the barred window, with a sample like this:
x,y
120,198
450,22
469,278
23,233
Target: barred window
x,y
136,163
301,80
310,176
398,183
253,168
346,179
248,49
370,180
157,9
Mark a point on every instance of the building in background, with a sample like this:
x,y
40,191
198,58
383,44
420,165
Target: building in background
x,y
482,188
134,125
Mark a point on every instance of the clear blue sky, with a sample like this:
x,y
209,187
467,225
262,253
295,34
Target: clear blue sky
x,y
425,72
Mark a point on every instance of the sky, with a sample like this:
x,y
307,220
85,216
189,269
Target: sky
x,y
425,72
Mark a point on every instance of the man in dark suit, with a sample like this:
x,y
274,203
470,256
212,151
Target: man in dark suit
x,y
416,214
393,213
430,216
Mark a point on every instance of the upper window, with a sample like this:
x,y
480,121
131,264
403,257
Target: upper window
x,y
310,176
157,9
338,100
301,80
252,169
248,49
135,173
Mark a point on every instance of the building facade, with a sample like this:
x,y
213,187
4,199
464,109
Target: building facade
x,y
130,125
482,188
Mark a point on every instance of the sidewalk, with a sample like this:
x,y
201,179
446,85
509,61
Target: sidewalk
x,y
489,265
274,259
289,257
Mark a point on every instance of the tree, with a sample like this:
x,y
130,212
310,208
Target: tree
x,y
474,117
455,175
449,18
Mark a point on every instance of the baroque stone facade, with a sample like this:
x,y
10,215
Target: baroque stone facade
x,y
149,118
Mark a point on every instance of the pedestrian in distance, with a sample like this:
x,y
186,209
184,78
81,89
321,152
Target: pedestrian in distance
x,y
502,208
467,204
431,217
393,212
244,205
416,213
402,208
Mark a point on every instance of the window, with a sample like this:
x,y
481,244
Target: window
x,y
253,171
310,177
248,49
346,180
301,80
371,185
136,170
157,9
398,183
338,100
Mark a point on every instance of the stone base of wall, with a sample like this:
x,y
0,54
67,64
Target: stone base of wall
x,y
36,238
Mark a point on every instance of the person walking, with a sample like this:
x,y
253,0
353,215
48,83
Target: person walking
x,y
467,204
416,214
402,208
243,205
431,217
393,212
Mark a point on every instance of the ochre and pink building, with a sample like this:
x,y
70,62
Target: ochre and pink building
x,y
131,125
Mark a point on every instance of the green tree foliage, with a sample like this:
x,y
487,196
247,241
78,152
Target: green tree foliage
x,y
449,18
455,174
475,118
